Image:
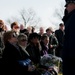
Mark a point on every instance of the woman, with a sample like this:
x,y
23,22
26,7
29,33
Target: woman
x,y
44,44
22,42
12,55
33,47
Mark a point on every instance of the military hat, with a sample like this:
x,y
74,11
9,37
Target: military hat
x,y
69,1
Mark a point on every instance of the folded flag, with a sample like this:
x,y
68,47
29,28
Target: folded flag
x,y
25,62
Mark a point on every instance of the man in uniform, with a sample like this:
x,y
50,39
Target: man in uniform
x,y
69,39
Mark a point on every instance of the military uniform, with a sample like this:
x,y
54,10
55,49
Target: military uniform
x,y
69,41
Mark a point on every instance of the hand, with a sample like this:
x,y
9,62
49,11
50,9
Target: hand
x,y
31,68
51,46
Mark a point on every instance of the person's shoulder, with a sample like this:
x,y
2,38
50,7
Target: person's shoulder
x,y
28,47
57,30
73,13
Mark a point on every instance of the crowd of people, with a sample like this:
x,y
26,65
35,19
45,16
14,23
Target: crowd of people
x,y
19,44
21,48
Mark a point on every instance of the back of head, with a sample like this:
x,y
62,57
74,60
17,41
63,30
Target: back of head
x,y
25,31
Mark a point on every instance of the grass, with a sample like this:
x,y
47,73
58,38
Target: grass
x,y
60,74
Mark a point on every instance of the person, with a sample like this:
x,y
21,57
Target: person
x,y
33,29
29,28
33,48
44,45
15,27
9,55
22,43
13,56
59,33
41,31
2,46
69,39
53,42
2,31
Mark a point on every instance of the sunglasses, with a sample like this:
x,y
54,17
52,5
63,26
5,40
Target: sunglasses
x,y
16,27
1,23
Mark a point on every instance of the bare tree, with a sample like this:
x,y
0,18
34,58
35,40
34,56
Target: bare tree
x,y
25,17
59,12
29,17
13,19
57,16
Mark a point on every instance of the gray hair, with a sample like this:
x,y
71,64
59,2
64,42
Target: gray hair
x,y
22,36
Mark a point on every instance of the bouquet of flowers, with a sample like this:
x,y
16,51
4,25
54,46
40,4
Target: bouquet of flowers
x,y
51,61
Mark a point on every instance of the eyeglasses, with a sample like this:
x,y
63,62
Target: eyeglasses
x,y
23,40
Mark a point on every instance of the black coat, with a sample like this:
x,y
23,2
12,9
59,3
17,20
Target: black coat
x,y
10,58
34,53
69,39
60,37
69,44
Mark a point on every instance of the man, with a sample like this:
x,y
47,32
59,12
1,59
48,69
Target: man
x,y
53,42
69,39
59,33
41,31
15,27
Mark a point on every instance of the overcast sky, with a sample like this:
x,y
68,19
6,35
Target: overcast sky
x,y
43,8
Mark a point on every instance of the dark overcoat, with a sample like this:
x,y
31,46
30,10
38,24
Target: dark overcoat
x,y
69,44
